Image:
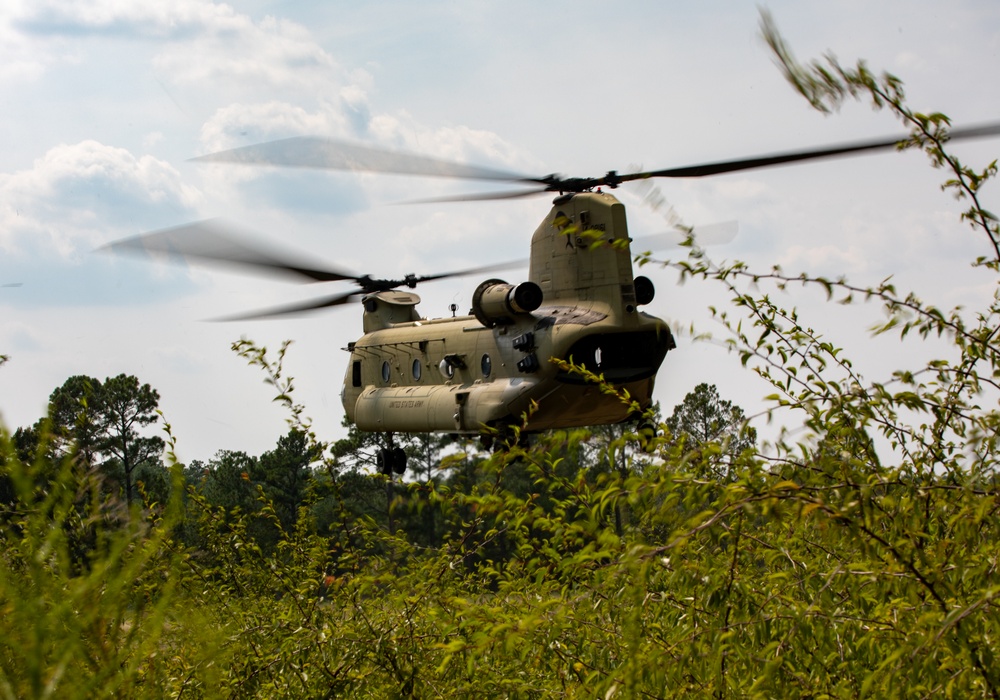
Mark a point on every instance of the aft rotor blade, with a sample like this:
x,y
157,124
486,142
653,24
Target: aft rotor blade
x,y
212,241
729,166
293,309
480,197
328,154
314,152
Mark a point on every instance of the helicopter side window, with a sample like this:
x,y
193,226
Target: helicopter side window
x,y
356,373
486,365
417,369
447,369
385,371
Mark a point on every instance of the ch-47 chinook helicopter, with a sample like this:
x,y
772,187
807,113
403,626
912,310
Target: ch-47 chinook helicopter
x,y
481,373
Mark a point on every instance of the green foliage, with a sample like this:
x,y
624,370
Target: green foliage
x,y
858,560
97,423
285,474
123,406
79,621
703,417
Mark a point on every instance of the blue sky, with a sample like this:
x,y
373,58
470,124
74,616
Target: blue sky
x,y
105,102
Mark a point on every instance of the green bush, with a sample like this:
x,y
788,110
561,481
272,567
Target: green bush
x,y
857,561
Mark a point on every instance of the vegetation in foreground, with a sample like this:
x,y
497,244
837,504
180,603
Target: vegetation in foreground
x,y
859,560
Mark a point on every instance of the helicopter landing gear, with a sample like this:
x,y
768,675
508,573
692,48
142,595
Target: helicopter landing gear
x,y
390,459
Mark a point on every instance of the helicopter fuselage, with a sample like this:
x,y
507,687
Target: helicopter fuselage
x,y
492,368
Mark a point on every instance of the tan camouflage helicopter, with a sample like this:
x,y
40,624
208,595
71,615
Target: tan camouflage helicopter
x,y
481,373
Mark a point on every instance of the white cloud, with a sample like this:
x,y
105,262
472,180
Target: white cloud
x,y
255,55
201,42
37,34
455,143
147,19
77,196
20,59
239,124
822,259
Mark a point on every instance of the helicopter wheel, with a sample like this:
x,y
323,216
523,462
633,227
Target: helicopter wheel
x,y
390,459
398,460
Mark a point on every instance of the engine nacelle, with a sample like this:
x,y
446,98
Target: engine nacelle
x,y
495,303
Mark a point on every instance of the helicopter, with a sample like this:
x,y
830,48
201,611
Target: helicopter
x,y
491,370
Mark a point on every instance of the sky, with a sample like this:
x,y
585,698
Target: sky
x,y
107,101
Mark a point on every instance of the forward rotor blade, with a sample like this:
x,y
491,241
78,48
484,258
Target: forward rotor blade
x,y
212,241
328,154
729,166
343,298
294,309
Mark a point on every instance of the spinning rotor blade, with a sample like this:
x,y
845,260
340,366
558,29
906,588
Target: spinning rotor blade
x,y
480,197
214,242
328,154
765,161
473,270
210,241
368,285
314,152
293,309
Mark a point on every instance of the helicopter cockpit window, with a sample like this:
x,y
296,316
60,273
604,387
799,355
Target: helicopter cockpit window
x,y
487,365
385,372
356,373
416,369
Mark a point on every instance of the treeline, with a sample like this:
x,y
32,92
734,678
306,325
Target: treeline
x,y
98,424
102,429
